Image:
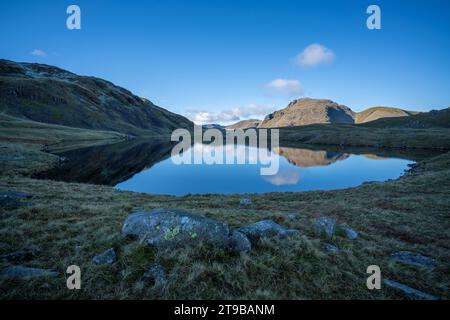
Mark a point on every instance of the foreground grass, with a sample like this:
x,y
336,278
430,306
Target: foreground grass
x,y
69,223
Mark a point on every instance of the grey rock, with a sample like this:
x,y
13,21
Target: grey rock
x,y
239,242
16,194
292,216
175,227
106,257
18,256
155,273
414,259
245,201
289,233
408,290
330,248
26,273
349,233
264,228
326,226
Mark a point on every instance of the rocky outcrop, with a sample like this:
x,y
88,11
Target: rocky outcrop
x,y
308,111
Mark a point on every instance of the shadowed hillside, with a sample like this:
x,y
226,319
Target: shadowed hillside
x,y
108,164
51,95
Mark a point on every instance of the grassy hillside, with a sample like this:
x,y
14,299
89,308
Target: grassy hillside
x,y
375,113
51,95
368,136
432,119
20,130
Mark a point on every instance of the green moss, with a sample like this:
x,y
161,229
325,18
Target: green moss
x,y
170,234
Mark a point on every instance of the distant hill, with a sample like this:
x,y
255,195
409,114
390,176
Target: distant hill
x,y
52,95
309,111
244,124
375,113
213,126
434,118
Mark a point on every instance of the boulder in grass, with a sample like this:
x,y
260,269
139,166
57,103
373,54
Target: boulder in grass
x,y
330,248
19,256
292,217
239,242
26,273
347,232
15,194
411,292
326,226
414,259
266,228
168,227
245,201
106,257
156,273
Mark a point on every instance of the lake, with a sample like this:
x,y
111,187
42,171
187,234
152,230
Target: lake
x,y
147,166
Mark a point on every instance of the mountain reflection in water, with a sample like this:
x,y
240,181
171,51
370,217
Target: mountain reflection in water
x,y
145,166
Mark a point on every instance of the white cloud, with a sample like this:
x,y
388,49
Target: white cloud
x,y
38,53
230,115
314,55
285,87
288,177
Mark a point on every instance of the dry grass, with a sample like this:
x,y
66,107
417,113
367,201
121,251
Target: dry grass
x,y
69,223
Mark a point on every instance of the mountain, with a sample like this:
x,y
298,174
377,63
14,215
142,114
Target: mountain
x,y
212,126
244,124
52,95
308,111
375,113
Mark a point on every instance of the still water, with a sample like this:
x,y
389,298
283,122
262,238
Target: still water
x,y
146,166
299,169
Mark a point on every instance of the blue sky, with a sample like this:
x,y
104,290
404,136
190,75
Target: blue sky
x,y
223,60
